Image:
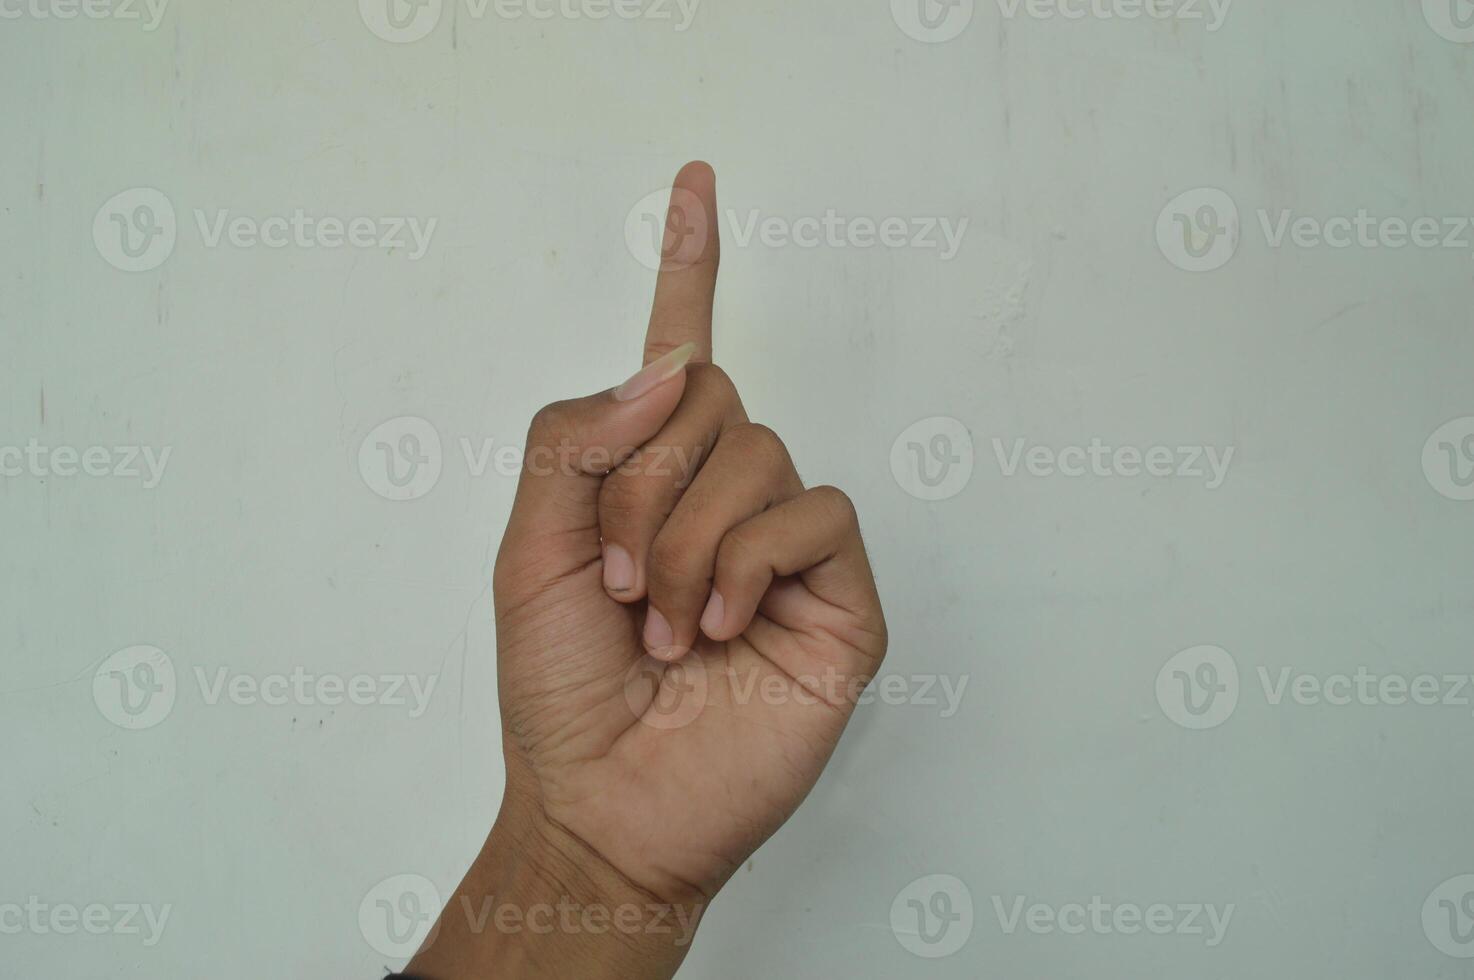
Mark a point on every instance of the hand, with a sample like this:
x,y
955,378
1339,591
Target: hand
x,y
682,628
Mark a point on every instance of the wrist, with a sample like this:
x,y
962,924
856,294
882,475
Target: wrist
x,y
538,902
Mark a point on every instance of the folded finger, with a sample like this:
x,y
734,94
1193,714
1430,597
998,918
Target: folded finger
x,y
748,472
637,498
815,536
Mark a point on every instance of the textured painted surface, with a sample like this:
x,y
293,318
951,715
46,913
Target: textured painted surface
x,y
262,549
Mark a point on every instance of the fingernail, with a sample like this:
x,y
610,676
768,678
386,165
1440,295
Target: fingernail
x,y
655,374
658,635
714,614
619,569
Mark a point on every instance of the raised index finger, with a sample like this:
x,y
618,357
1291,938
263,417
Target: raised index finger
x,y
686,286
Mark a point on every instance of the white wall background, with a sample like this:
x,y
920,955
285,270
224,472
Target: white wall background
x,y
262,550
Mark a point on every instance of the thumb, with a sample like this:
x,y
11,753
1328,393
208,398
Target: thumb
x,y
571,446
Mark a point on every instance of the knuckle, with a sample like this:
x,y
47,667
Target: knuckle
x,y
552,422
667,561
760,443
740,550
710,381
622,501
838,505
741,561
